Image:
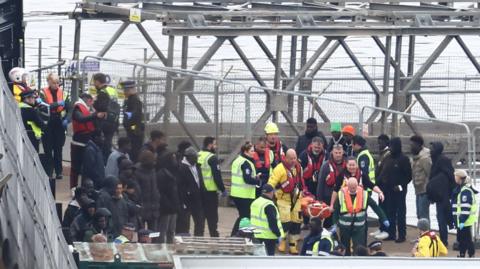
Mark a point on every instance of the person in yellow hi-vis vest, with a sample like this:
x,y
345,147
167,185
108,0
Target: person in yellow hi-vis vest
x,y
287,179
212,178
32,122
265,219
244,181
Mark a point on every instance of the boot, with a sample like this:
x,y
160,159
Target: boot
x,y
293,243
282,246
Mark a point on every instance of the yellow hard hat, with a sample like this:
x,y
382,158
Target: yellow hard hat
x,y
271,128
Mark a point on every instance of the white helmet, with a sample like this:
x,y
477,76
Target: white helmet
x,y
17,74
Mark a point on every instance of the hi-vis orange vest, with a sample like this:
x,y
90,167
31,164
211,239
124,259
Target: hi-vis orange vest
x,y
49,97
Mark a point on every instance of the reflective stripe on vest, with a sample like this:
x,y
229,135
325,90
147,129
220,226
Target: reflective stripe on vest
x,y
371,164
121,239
314,251
239,188
258,219
472,218
203,158
49,97
35,129
352,211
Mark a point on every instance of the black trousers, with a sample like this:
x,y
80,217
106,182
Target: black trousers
x,y
465,243
243,207
198,215
397,213
76,157
210,206
35,142
136,141
183,222
107,144
270,245
53,140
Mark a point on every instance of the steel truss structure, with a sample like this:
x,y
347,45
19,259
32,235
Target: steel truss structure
x,y
336,21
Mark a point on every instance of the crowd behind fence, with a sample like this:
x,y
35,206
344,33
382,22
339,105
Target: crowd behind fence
x,y
30,227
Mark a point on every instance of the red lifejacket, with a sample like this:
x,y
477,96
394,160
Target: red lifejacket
x,y
49,97
334,173
312,166
288,186
79,127
278,153
349,203
262,164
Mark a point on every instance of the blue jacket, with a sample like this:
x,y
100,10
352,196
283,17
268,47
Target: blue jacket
x,y
93,165
311,239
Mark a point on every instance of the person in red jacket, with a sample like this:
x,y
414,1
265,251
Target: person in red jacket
x,y
83,118
263,158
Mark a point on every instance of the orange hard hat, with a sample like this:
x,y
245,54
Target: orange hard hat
x,y
348,129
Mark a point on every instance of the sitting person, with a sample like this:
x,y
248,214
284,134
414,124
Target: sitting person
x,y
429,244
376,248
83,221
100,225
319,242
126,236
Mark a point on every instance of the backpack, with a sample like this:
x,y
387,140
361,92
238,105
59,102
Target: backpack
x,y
437,188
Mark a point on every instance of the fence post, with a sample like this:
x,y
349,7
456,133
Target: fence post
x,y
39,72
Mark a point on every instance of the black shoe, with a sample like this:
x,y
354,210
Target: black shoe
x,y
390,238
400,240
59,177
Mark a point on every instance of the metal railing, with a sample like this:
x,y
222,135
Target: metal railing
x,y
30,227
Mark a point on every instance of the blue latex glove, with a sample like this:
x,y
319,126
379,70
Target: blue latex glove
x,y
61,103
333,229
65,123
386,223
129,115
461,225
224,193
38,100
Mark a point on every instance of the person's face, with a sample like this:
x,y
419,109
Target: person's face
x,y
356,147
127,147
145,239
352,166
260,147
269,194
52,84
128,234
91,211
336,135
352,188
160,142
337,154
130,191
213,147
99,139
102,222
272,138
290,159
30,100
129,92
317,148
128,172
381,144
250,152
97,84
458,180
311,128
89,102
119,190
415,148
348,137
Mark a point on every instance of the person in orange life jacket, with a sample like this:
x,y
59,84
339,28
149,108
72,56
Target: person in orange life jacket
x,y
83,117
31,120
311,160
108,125
133,120
54,137
249,178
263,157
363,180
288,180
348,133
311,131
210,196
329,172
274,143
349,215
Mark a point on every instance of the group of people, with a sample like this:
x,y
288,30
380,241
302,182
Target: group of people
x,y
343,174
147,187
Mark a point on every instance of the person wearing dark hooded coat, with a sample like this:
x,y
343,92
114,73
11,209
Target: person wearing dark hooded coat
x,y
93,165
396,175
101,224
311,131
440,187
82,221
74,207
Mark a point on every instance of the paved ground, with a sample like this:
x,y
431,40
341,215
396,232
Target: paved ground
x,y
228,215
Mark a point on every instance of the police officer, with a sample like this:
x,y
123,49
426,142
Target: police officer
x,y
212,179
133,119
464,209
31,120
126,236
265,219
54,137
364,158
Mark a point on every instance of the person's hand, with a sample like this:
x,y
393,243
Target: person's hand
x,y
386,223
331,209
258,176
461,226
129,115
333,229
38,100
65,123
101,115
224,193
279,240
414,249
306,193
381,197
61,103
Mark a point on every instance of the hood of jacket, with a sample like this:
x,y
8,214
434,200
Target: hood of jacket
x,y
395,146
110,184
436,149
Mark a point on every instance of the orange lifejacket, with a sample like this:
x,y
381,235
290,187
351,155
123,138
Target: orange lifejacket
x,y
262,164
349,203
288,186
312,166
49,98
79,127
334,172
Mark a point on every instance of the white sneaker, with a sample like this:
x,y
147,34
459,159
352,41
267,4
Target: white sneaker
x,y
377,232
381,236
72,191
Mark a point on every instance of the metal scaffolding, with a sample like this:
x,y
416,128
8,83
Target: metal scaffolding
x,y
336,21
